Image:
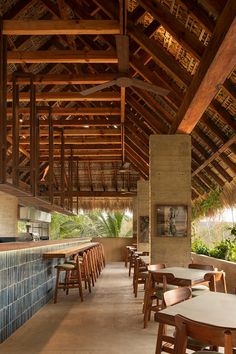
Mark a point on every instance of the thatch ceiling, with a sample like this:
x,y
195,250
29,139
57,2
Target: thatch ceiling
x,y
175,44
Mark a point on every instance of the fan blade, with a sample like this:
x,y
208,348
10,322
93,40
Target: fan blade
x,y
122,47
149,87
97,88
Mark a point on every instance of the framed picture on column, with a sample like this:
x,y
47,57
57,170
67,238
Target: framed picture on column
x,y
171,220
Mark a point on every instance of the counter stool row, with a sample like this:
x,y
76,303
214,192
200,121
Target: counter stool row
x,y
82,268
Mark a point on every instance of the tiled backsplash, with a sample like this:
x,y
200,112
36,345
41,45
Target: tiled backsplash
x,y
26,284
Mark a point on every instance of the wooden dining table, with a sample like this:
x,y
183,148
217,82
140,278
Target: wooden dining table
x,y
184,276
69,251
212,308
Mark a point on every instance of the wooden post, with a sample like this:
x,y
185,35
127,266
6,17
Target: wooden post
x,y
77,185
50,153
3,102
71,180
62,169
15,132
34,139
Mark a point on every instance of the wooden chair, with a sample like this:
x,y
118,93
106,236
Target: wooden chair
x,y
203,287
211,335
72,278
128,252
165,343
216,281
201,266
157,284
140,274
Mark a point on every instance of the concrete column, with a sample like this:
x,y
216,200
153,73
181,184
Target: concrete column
x,y
8,215
135,218
143,215
170,185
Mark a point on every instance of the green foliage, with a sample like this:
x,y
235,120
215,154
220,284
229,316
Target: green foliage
x,y
233,230
225,249
208,205
199,247
93,224
220,250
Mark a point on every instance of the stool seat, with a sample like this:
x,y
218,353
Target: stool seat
x,y
65,266
72,278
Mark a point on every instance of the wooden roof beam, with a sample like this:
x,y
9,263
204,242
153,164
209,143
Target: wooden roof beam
x,y
75,132
224,115
215,155
199,14
135,160
218,60
68,96
101,194
74,111
158,54
62,56
151,119
67,79
59,27
177,29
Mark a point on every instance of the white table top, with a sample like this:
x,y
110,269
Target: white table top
x,y
189,275
211,308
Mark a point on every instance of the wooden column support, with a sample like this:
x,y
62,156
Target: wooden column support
x,y
51,153
3,96
62,169
15,132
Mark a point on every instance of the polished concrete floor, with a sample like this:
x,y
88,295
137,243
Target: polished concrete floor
x,y
109,321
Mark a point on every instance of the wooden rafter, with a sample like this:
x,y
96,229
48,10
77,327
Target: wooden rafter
x,y
68,79
60,27
174,27
64,56
78,111
218,60
68,96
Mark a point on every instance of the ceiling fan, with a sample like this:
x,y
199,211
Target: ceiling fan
x,y
122,47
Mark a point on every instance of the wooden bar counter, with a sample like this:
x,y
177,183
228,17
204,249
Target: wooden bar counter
x,y
27,279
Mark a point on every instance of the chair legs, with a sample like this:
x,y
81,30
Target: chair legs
x,y
72,279
82,269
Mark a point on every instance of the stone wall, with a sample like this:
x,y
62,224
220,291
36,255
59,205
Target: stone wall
x,y
114,247
8,215
170,184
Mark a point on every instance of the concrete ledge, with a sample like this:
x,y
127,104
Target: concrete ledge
x,y
228,267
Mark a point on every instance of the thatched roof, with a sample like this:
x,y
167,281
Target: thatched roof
x,y
169,40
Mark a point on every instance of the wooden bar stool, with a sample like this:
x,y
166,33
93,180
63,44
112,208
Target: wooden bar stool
x,y
72,278
91,267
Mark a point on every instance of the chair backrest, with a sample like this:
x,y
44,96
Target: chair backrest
x,y
216,281
201,266
163,278
158,266
173,297
139,266
205,333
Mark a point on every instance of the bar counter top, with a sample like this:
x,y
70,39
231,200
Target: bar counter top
x,y
12,246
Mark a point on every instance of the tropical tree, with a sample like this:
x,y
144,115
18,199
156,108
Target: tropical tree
x,y
113,224
94,224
